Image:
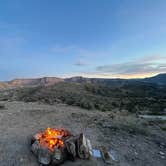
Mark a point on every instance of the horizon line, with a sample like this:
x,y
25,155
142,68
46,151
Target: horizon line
x,y
83,76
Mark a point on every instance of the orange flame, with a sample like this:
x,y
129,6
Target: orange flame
x,y
52,138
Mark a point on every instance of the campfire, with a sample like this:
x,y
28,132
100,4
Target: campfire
x,y
55,146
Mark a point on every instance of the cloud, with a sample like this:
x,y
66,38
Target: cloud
x,y
81,63
145,66
152,58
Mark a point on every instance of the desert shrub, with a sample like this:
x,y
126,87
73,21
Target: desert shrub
x,y
2,106
156,109
131,124
131,97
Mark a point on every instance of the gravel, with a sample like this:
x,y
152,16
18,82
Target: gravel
x,y
19,121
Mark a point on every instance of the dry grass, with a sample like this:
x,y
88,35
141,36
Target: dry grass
x,y
131,124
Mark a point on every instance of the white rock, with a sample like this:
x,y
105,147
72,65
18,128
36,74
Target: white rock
x,y
161,153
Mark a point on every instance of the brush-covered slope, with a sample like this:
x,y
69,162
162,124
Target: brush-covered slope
x,y
131,97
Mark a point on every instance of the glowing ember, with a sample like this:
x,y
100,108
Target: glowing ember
x,y
52,138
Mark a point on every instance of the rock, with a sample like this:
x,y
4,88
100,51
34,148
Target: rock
x,y
59,156
84,149
161,153
89,147
110,156
44,156
71,147
162,145
163,157
114,155
136,153
21,159
35,147
106,156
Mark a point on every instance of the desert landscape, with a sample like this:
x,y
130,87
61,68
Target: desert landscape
x,y
28,109
82,82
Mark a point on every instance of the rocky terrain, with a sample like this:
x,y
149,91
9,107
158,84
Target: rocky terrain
x,y
106,110
136,141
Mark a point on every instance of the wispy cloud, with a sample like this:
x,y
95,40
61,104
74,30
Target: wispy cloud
x,y
145,66
81,63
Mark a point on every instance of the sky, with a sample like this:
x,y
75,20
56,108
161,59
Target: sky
x,y
90,38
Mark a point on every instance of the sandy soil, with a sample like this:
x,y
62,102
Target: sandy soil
x,y
19,120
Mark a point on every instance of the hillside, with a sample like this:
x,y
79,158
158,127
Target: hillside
x,y
159,79
134,95
34,82
45,81
3,85
131,97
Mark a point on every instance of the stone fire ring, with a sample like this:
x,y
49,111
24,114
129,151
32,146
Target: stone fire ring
x,y
73,147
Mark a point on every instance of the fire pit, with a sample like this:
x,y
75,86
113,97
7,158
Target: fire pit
x,y
55,146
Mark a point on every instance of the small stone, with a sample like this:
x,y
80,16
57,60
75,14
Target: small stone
x,y
136,153
114,155
161,153
21,159
106,156
163,157
133,145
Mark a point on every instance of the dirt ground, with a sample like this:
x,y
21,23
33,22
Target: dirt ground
x,y
19,120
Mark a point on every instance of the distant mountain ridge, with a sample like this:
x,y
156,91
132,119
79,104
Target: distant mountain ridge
x,y
35,81
159,79
30,82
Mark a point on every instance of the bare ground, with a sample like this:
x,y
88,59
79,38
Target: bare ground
x,y
19,120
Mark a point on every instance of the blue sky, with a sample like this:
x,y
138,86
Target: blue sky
x,y
93,38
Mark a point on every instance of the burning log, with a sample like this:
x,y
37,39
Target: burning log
x,y
54,146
